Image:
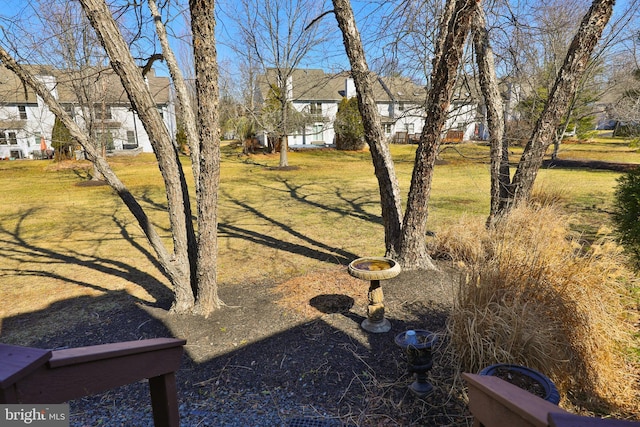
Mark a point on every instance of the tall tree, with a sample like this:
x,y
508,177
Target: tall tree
x,y
405,236
488,82
384,169
569,76
554,109
73,47
191,265
278,35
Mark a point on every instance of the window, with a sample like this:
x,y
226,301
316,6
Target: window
x,y
131,137
161,113
317,132
409,127
22,110
388,128
102,112
400,106
105,139
8,137
315,108
69,109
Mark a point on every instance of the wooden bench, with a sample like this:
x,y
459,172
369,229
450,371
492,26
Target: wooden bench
x,y
31,375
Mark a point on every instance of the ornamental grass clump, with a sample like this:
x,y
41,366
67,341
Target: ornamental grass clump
x,y
530,294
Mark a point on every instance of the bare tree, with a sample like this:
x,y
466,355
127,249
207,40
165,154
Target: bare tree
x,y
569,76
278,35
405,236
508,194
191,266
488,82
384,169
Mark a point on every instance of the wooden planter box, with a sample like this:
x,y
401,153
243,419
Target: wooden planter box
x,y
497,403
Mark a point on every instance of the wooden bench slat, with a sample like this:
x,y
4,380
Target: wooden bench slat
x,y
74,356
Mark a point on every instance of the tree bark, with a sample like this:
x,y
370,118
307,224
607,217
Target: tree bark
x,y
373,133
284,118
567,81
184,100
179,207
454,32
499,152
206,68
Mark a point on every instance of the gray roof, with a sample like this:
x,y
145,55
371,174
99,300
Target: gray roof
x,y
316,85
103,82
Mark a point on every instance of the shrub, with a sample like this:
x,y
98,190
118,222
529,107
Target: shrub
x,y
61,140
626,212
531,295
348,126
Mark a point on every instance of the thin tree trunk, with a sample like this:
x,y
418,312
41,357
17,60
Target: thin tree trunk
x,y
284,141
184,100
573,68
183,233
500,178
206,67
373,133
413,253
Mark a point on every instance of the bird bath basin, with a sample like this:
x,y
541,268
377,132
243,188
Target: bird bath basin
x,y
375,269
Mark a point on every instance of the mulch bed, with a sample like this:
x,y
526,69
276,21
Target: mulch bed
x,y
301,339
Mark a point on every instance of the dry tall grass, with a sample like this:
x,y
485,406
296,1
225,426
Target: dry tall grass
x,y
533,296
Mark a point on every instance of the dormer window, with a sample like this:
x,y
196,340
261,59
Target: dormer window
x,y
22,111
316,108
103,112
400,106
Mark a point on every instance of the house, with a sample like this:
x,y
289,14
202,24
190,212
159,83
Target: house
x,y
94,97
400,105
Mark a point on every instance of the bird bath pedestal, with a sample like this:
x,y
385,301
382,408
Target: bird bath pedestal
x,y
375,269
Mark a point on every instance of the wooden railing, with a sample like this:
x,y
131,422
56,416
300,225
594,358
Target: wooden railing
x,y
31,375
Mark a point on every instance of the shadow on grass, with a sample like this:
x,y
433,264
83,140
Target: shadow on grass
x,y
14,247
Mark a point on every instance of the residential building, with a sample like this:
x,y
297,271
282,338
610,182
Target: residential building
x,y
94,97
400,104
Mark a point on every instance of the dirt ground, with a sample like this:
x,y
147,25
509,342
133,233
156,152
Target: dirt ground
x,y
301,339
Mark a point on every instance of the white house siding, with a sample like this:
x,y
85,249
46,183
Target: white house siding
x,y
310,137
40,120
399,102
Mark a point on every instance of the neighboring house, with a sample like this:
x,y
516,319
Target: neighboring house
x,y
400,105
25,120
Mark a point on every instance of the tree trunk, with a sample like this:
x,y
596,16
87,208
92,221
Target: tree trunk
x,y
184,100
164,257
500,177
183,233
454,31
569,76
284,140
373,133
206,67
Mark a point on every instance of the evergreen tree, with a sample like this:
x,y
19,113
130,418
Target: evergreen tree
x,y
348,126
61,140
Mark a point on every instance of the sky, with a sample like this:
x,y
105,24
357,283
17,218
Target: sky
x,y
369,15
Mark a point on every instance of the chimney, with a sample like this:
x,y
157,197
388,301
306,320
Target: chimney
x,y
349,88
